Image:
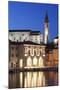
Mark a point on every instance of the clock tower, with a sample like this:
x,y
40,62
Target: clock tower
x,y
46,27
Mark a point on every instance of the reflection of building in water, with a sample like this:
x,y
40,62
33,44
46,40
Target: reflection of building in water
x,y
32,79
27,79
26,54
51,78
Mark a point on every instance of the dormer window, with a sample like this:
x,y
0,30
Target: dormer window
x,y
20,38
11,34
14,38
22,34
26,38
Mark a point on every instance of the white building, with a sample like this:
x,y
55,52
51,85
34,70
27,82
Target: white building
x,y
25,35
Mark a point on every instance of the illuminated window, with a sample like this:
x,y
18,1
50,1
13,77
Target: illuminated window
x,y
46,32
25,54
21,63
55,41
41,62
35,61
29,61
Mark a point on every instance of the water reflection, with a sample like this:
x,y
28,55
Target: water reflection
x,y
32,79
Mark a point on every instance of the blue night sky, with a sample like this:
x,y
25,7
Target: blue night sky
x,y
24,15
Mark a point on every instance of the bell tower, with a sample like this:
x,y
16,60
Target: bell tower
x,y
46,27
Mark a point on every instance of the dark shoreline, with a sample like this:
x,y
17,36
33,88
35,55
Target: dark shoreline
x,y
33,69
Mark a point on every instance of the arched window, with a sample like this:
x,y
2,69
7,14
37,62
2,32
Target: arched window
x,y
11,65
35,61
21,63
41,62
14,65
29,61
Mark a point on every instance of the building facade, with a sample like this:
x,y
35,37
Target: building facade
x,y
28,49
25,35
52,53
26,55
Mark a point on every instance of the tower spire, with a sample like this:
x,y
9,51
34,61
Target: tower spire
x,y
46,18
46,31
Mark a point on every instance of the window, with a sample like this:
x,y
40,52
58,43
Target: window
x,y
22,34
14,65
29,61
20,38
16,48
17,40
41,64
11,34
35,61
36,39
25,38
14,38
16,55
31,39
34,47
11,64
50,51
12,48
12,55
21,63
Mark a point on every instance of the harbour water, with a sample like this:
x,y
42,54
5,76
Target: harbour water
x,y
33,79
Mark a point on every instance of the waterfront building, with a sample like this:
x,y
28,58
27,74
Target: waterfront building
x,y
28,49
26,55
52,53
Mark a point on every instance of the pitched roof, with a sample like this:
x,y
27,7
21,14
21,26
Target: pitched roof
x,y
25,42
31,32
26,30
